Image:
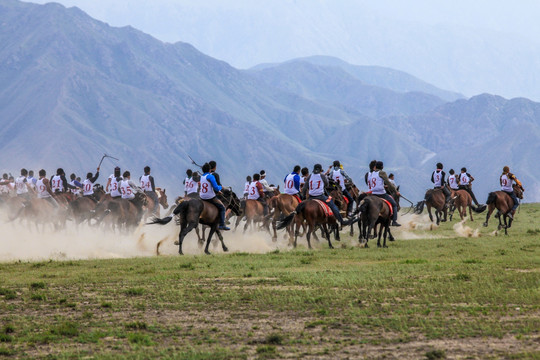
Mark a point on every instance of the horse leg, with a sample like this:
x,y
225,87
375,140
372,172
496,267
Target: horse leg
x,y
429,212
274,221
213,229
308,235
225,249
337,238
380,233
327,235
184,230
490,210
386,227
470,213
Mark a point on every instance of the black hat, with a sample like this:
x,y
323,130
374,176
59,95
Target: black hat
x,y
379,165
317,168
336,163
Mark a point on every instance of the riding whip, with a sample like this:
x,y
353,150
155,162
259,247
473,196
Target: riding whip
x,y
104,156
193,162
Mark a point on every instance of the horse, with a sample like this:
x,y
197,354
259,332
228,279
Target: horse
x,y
162,200
373,211
194,211
434,198
254,212
461,199
313,212
83,208
504,203
283,205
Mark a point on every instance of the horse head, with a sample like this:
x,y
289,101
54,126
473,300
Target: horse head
x,y
162,198
518,190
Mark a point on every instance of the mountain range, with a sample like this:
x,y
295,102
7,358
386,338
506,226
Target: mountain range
x,y
73,88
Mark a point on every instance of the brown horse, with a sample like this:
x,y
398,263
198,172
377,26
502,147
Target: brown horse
x,y
461,199
283,205
504,203
195,211
162,200
83,208
374,211
313,212
436,199
254,213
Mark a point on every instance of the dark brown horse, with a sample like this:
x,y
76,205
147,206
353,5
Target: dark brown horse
x,y
194,211
504,203
374,211
434,198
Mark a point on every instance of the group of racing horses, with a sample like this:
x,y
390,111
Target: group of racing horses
x,y
297,217
100,209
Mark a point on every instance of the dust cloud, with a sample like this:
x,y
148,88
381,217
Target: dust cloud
x,y
22,241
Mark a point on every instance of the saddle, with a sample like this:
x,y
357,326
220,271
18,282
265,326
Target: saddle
x,y
298,198
389,206
326,209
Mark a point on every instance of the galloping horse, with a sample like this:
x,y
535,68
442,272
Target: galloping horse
x,y
254,212
504,203
283,205
461,200
162,199
314,213
194,211
83,208
434,198
374,211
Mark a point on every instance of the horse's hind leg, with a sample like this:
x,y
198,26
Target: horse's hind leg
x,y
225,249
490,210
184,230
327,235
310,230
212,231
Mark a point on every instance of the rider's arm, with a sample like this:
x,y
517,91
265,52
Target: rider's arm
x,y
93,180
213,182
152,183
387,182
296,182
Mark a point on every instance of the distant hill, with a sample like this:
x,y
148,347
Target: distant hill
x,y
73,88
376,76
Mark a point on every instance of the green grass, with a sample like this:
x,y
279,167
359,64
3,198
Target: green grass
x,y
346,302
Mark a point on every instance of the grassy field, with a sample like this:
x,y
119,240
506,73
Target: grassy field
x,y
433,297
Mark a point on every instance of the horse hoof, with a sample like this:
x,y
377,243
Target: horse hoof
x,y
180,253
391,239
176,242
485,224
225,249
207,252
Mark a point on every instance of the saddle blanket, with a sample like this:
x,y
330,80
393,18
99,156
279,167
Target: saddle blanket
x,y
326,209
389,206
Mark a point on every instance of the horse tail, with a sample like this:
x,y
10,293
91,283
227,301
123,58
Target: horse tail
x,y
363,206
428,196
491,198
419,207
288,219
179,210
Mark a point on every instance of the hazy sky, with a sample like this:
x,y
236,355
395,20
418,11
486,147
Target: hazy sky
x,y
154,17
459,45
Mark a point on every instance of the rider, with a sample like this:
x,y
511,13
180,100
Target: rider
x,y
367,177
128,188
74,182
256,192
88,185
317,184
31,180
113,183
304,174
292,182
147,184
268,190
437,178
378,180
22,185
391,179
43,188
192,184
465,181
340,176
186,182
246,186
506,180
59,182
209,188
213,167
453,180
